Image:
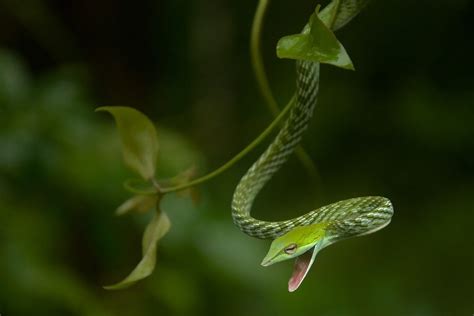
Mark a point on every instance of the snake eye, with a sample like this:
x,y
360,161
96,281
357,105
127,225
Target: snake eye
x,y
290,249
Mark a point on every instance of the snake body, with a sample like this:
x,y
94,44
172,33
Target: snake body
x,y
347,218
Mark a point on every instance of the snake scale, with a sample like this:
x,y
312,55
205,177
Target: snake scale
x,y
302,237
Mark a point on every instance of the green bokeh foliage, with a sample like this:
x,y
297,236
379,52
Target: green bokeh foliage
x,y
400,126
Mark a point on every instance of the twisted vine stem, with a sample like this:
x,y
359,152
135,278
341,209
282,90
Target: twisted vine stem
x,y
270,102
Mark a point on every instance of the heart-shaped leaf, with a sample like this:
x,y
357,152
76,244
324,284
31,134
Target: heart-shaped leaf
x,y
317,43
155,230
139,139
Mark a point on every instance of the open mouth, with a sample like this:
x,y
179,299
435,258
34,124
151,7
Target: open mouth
x,y
302,265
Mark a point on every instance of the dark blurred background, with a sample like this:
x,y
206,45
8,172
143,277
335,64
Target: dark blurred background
x,y
401,126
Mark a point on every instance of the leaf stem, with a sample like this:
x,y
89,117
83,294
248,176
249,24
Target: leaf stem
x,y
276,122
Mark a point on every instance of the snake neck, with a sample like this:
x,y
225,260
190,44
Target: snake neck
x,y
275,156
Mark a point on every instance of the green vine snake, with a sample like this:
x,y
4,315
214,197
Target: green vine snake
x,y
304,236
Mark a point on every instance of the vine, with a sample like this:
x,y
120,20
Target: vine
x,y
140,143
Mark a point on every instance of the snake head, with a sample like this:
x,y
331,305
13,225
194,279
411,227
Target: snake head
x,y
302,243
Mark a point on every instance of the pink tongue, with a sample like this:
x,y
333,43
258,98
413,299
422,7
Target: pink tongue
x,y
302,265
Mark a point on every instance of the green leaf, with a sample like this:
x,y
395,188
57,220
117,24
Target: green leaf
x,y
340,12
139,139
139,203
155,230
317,43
